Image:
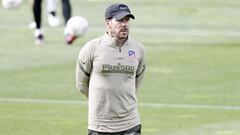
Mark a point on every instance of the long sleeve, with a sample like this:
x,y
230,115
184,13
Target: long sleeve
x,y
83,69
141,68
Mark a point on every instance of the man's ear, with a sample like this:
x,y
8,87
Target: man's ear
x,y
107,21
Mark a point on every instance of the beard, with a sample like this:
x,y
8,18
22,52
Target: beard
x,y
121,34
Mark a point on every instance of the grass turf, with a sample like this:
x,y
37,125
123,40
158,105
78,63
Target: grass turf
x,y
192,55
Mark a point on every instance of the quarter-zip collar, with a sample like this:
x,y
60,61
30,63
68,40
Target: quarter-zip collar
x,y
111,42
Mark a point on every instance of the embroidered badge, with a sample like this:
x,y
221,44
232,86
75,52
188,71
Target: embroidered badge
x,y
131,54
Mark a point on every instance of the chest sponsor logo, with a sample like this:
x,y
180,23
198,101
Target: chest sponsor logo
x,y
125,69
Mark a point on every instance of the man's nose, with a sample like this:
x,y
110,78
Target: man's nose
x,y
124,23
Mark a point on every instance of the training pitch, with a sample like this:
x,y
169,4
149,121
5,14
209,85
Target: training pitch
x,y
192,81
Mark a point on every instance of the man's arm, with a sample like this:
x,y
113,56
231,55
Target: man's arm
x,y
141,68
83,69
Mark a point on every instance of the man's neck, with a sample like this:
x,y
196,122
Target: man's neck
x,y
118,42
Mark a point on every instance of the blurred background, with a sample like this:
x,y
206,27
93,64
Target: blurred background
x,y
191,86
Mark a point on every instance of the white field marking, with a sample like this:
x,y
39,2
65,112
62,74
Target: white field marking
x,y
42,101
153,105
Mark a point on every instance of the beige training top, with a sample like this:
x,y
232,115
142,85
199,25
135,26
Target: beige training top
x,y
109,76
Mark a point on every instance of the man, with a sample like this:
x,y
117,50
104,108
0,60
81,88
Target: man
x,y
109,70
37,9
53,19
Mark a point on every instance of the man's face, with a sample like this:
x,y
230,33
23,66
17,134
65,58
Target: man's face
x,y
119,29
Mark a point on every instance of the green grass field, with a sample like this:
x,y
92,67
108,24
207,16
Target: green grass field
x,y
192,83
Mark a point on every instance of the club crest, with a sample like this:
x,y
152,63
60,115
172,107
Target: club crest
x,y
131,54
